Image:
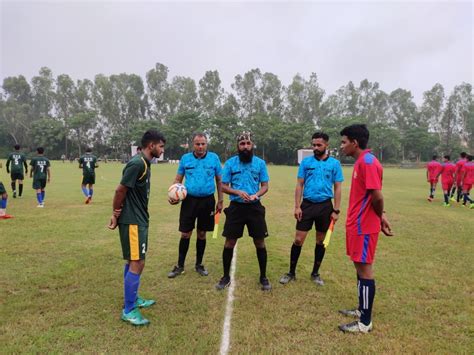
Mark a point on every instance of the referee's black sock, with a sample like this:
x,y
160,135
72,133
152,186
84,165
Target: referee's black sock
x,y
262,261
319,251
227,255
366,300
200,247
13,186
20,189
295,254
183,250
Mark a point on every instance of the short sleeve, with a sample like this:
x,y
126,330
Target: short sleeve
x,y
373,178
263,172
181,167
226,173
338,176
48,164
302,171
218,167
130,175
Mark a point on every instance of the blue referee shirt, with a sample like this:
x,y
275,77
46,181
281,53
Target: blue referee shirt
x,y
200,173
319,177
244,176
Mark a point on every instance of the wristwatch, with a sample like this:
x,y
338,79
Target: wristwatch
x,y
336,211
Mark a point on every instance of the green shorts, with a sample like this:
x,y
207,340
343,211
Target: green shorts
x,y
17,176
2,189
39,184
134,240
88,179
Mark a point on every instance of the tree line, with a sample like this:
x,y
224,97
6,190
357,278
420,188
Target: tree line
x,y
110,113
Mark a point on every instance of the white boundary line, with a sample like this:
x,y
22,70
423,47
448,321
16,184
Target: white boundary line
x,y
225,341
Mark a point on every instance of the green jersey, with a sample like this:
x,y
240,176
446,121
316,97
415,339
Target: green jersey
x,y
88,162
136,176
39,166
17,161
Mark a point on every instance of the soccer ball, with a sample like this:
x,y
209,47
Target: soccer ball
x,y
177,192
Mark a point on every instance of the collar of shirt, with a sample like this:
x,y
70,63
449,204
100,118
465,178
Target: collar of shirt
x,y
196,157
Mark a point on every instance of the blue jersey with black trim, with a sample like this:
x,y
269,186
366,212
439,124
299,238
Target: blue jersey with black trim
x,y
199,173
244,176
319,177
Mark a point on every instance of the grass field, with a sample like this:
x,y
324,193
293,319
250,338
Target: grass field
x,y
61,276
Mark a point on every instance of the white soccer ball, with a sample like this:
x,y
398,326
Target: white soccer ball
x,y
177,192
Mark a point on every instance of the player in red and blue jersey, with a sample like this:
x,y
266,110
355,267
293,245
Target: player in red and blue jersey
x,y
447,172
432,171
459,165
365,219
467,178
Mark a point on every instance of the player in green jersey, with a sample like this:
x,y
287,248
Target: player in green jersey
x,y
41,172
130,214
88,164
17,161
3,202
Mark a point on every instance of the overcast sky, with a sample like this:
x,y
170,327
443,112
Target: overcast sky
x,y
411,45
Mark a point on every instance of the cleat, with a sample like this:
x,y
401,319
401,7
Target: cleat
x,y
355,313
201,270
143,303
453,199
6,216
223,283
356,327
471,206
266,286
88,200
134,317
41,205
317,279
287,278
14,194
177,270
430,199
446,204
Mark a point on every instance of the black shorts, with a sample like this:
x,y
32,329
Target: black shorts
x,y
88,179
200,208
17,176
240,214
317,213
39,184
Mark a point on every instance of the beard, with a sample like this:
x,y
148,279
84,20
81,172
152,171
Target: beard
x,y
318,154
245,155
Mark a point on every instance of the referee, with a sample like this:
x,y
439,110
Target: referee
x,y
202,173
319,180
245,179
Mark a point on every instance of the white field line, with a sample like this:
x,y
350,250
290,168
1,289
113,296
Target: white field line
x,y
225,341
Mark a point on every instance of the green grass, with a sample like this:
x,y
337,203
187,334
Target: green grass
x,y
61,276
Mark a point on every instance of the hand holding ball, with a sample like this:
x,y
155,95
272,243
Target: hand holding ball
x,y
176,193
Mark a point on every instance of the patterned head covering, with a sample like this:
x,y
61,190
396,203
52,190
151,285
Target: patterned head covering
x,y
245,135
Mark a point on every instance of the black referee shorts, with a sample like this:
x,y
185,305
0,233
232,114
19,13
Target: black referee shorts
x,y
200,208
239,215
317,213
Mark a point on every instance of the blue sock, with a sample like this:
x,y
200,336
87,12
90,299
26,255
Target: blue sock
x,y
91,192
131,284
3,204
39,198
43,193
366,300
84,191
125,270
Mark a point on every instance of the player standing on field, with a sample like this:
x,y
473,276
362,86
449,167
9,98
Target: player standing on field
x,y
467,178
317,177
130,213
18,161
448,169
3,203
245,179
202,173
459,165
88,164
365,219
432,170
41,172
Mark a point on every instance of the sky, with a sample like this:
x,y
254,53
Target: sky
x,y
400,44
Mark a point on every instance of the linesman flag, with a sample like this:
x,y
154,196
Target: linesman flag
x,y
327,237
216,225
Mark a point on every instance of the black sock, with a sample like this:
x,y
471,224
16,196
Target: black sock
x,y
467,197
453,190
366,300
318,257
432,190
200,247
358,290
183,250
20,189
13,186
262,261
227,255
294,256
446,198
458,197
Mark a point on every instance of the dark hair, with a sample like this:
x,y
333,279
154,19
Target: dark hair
x,y
199,134
447,157
469,157
152,135
17,147
139,149
463,155
435,157
321,135
40,150
88,150
357,132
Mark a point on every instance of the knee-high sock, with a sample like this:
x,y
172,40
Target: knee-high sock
x,y
366,300
131,284
453,190
91,192
13,186
39,197
20,189
43,194
227,255
262,261
459,194
446,198
467,198
84,191
319,251
125,269
183,250
3,203
200,248
294,256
